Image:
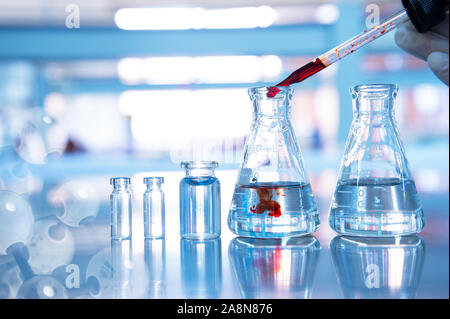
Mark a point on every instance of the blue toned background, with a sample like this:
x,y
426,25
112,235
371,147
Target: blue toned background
x,y
135,92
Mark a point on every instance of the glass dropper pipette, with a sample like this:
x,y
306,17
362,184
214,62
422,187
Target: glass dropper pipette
x,y
363,38
424,14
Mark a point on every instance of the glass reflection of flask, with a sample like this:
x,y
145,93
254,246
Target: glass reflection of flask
x,y
272,197
375,194
269,268
388,267
201,267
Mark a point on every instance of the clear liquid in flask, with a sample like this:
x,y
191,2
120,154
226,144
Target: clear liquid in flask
x,y
273,209
376,207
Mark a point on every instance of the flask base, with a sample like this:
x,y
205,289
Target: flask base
x,y
377,224
269,227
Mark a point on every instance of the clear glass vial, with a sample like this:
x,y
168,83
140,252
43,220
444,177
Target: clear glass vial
x,y
120,203
154,208
273,196
199,201
375,193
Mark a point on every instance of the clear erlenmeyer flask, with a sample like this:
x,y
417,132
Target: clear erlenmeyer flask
x,y
375,194
272,197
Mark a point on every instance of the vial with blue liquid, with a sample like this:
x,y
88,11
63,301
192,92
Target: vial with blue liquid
x,y
199,201
375,195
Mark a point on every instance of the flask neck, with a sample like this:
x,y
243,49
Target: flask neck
x,y
373,109
374,100
270,109
277,107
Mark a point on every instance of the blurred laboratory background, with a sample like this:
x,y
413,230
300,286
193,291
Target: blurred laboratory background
x,y
95,89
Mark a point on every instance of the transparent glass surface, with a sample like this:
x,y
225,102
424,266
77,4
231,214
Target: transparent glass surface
x,y
154,208
385,268
274,268
155,262
120,205
272,196
199,201
375,193
201,266
290,268
121,268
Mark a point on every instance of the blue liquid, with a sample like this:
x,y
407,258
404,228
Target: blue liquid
x,y
200,207
292,210
376,207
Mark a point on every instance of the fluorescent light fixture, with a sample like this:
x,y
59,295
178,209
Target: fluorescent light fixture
x,y
194,18
327,14
208,69
427,99
165,119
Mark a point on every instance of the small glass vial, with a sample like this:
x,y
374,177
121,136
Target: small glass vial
x,y
154,210
120,208
199,201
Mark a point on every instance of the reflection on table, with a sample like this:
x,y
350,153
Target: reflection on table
x,y
112,269
201,267
378,267
274,268
155,265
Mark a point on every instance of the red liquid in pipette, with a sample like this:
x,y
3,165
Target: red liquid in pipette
x,y
298,76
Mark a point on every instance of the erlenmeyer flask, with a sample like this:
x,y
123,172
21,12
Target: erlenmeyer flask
x,y
375,194
272,197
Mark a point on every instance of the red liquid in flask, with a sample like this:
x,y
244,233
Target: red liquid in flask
x,y
267,195
298,76
266,203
